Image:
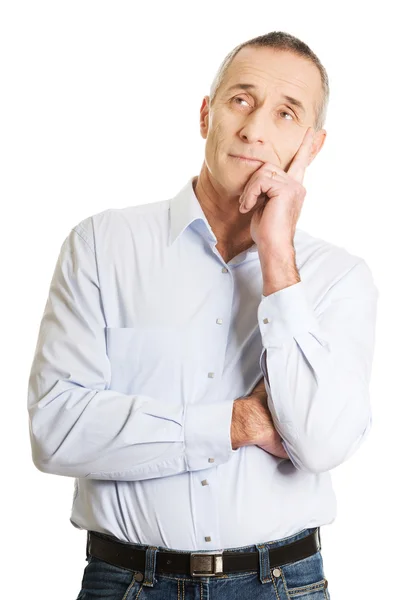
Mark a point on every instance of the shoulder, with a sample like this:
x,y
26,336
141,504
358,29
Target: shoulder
x,y
116,221
325,263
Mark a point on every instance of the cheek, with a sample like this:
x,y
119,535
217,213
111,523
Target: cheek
x,y
211,153
288,150
215,143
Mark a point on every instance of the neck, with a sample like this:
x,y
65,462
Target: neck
x,y
231,228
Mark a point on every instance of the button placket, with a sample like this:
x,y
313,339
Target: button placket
x,y
211,375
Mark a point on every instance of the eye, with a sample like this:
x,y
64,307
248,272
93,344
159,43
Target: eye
x,y
239,99
283,112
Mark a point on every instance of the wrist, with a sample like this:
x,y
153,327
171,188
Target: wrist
x,y
239,433
279,269
275,249
271,287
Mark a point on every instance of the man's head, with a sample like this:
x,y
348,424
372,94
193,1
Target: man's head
x,y
268,121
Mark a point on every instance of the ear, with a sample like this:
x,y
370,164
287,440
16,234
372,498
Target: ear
x,y
204,116
318,142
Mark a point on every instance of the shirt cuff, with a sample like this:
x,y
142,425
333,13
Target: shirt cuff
x,y
207,431
285,313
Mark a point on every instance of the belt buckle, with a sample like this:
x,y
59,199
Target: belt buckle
x,y
200,560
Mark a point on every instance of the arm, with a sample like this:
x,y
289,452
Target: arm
x,y
318,360
319,365
252,423
79,427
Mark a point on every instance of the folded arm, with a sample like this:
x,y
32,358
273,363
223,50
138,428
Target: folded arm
x,y
79,427
317,366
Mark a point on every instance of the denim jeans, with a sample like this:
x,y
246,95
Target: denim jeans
x,y
303,579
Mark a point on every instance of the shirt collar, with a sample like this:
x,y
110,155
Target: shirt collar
x,y
186,210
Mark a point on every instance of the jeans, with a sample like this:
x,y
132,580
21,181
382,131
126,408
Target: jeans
x,y
303,579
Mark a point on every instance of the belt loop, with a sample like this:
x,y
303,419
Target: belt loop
x,y
263,555
319,538
150,566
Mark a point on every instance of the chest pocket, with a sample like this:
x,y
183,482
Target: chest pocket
x,y
144,358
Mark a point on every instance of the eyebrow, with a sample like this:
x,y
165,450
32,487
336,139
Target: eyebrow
x,y
250,86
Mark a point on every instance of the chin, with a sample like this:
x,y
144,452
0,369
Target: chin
x,y
228,178
233,183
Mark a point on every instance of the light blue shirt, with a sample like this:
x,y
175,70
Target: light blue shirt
x,y
146,340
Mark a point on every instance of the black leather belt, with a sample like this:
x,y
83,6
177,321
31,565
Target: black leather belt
x,y
199,564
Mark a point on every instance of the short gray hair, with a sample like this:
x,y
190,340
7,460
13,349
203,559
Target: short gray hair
x,y
280,41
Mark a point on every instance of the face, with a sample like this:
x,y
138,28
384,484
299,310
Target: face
x,y
259,122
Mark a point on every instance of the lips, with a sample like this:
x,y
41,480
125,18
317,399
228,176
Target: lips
x,y
246,158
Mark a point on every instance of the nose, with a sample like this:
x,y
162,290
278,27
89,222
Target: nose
x,y
255,130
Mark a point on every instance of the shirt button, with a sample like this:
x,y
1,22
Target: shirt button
x,y
219,321
224,270
139,576
211,375
211,460
207,538
204,482
265,320
276,572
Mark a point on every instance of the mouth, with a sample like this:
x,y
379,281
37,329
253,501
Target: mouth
x,y
245,159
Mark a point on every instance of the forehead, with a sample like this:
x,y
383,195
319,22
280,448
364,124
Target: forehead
x,y
275,70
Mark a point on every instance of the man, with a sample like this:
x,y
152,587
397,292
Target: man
x,y
202,363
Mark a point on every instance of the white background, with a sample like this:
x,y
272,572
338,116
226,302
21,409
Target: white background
x,y
100,108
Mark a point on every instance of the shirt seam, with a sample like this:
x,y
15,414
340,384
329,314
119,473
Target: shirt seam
x,y
83,238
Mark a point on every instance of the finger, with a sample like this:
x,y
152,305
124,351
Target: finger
x,y
300,161
258,192
253,190
272,167
276,177
259,390
259,384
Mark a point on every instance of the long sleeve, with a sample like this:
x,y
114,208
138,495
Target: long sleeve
x,y
79,427
317,367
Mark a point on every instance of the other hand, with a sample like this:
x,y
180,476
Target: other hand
x,y
263,429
